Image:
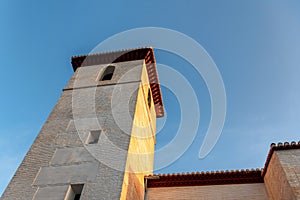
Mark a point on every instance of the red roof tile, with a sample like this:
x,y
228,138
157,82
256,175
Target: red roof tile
x,y
205,178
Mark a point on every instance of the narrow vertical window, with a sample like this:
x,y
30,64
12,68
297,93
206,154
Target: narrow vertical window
x,y
74,192
108,73
149,98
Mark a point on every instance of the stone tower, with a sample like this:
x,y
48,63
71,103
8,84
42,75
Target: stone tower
x,y
98,142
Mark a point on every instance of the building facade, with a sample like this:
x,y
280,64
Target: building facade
x,y
98,143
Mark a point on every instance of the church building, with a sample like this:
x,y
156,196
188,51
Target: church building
x,y
98,143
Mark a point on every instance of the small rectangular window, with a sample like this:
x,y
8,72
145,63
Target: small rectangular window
x,y
74,192
93,137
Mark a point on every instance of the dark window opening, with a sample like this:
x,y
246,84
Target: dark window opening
x,y
74,192
77,196
149,98
93,137
108,73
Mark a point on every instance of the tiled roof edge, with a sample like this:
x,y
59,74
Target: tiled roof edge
x,y
110,52
205,178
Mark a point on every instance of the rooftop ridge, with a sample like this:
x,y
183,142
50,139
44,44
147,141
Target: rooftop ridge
x,y
114,51
242,176
206,172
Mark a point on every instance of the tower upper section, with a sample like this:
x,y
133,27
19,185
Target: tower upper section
x,y
145,54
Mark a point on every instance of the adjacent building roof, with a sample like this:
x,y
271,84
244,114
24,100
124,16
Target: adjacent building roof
x,y
218,177
205,178
146,54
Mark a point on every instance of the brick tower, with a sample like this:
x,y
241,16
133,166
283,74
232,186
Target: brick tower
x,y
98,142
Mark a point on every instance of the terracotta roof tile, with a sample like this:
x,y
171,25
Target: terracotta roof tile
x,y
205,178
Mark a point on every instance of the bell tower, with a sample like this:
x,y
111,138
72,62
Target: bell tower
x,y
98,142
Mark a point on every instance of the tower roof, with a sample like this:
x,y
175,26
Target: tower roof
x,y
145,53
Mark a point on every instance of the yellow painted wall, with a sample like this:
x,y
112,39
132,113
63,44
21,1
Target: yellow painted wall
x,y
140,159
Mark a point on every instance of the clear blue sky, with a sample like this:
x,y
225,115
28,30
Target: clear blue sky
x,y
255,44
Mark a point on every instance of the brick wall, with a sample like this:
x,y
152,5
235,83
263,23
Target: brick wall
x,y
282,178
255,191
